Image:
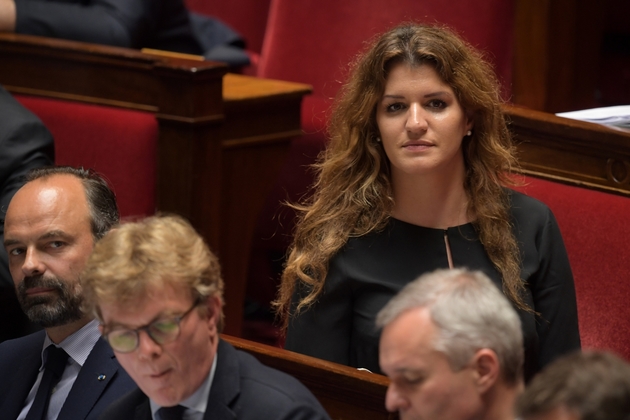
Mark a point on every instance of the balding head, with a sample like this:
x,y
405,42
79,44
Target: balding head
x,y
49,237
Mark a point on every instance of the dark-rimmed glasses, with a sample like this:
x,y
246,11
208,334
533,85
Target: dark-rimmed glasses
x,y
162,331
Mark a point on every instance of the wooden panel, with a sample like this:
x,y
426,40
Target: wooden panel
x,y
571,151
557,53
345,392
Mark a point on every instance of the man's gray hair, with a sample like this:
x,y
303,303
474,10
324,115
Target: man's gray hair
x,y
470,312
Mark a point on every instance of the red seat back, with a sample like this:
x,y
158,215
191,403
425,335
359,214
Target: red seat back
x,y
597,237
119,144
313,42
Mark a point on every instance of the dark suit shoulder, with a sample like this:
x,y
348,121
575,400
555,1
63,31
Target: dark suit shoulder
x,y
127,405
12,352
269,391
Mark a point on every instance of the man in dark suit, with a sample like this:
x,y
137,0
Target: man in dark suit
x,y
157,290
157,24
51,226
25,143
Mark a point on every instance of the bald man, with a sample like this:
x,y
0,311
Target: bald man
x,y
51,226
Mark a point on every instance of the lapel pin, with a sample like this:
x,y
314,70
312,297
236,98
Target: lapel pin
x,y
101,377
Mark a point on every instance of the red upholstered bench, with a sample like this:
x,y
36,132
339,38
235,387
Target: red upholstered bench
x,y
596,233
120,144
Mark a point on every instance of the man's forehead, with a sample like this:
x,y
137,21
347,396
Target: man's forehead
x,y
50,205
408,339
153,303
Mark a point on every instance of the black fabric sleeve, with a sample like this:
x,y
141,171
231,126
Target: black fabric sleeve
x,y
122,23
324,330
25,143
554,298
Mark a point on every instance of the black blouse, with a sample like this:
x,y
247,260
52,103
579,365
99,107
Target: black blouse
x,y
371,269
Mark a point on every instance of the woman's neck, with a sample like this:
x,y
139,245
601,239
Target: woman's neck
x,y
433,200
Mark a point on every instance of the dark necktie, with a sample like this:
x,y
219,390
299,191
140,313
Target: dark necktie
x,y
172,413
56,359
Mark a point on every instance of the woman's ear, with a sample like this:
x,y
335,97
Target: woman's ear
x,y
470,123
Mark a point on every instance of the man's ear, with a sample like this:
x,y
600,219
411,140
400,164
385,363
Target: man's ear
x,y
213,309
487,369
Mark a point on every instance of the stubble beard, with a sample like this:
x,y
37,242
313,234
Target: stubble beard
x,y
52,309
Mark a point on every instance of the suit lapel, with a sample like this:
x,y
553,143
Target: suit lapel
x,y
18,383
225,385
99,369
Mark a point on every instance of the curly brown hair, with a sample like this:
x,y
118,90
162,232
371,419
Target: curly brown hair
x,y
353,193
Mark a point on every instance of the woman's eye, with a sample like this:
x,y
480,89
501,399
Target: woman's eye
x,y
437,104
395,107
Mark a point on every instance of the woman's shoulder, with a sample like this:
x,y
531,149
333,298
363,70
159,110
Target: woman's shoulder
x,y
529,215
524,204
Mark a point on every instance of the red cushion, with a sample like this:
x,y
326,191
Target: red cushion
x,y
597,237
119,144
314,43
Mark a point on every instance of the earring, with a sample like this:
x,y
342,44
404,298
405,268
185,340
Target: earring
x,y
469,133
378,139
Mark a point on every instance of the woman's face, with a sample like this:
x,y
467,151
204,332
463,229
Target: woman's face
x,y
421,122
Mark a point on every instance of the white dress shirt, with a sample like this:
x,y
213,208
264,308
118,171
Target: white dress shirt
x,y
78,346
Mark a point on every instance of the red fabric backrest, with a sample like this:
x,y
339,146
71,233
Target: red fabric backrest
x,y
119,144
312,41
247,17
596,233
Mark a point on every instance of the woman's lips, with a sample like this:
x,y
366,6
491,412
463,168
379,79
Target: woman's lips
x,y
417,145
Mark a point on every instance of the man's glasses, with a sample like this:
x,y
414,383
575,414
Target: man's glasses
x,y
162,331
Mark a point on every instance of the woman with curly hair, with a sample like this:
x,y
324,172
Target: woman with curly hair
x,y
414,179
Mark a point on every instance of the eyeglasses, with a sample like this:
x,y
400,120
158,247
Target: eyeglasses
x,y
162,331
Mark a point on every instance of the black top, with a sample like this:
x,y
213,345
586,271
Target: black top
x,y
371,269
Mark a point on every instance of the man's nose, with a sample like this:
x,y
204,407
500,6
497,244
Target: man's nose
x,y
147,347
394,400
32,264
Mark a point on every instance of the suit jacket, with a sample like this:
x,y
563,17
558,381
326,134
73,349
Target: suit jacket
x,y
20,360
243,389
25,143
158,24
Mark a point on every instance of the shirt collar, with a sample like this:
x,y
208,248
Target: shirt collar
x,y
79,344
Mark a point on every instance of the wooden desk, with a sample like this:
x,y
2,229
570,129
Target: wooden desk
x,y
222,137
571,151
346,393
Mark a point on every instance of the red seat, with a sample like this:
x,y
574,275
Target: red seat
x,y
597,237
120,144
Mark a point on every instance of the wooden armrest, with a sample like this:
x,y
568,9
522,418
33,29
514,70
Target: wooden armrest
x,y
571,151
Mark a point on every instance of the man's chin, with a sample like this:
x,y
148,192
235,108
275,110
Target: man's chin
x,y
48,316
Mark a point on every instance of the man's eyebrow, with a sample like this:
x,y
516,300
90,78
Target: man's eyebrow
x,y
55,234
9,242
